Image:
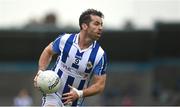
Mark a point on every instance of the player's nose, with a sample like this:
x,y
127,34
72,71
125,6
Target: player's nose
x,y
100,27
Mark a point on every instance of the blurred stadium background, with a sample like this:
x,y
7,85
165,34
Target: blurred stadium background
x,y
144,66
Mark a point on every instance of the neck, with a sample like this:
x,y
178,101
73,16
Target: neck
x,y
84,40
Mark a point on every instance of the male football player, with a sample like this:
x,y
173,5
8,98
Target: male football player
x,y
80,59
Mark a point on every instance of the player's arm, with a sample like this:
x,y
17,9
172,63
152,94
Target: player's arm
x,y
99,78
97,86
46,57
44,60
47,54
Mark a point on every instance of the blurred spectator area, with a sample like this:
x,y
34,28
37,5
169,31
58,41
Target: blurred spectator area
x,y
133,45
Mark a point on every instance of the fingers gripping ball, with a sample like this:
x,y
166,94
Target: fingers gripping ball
x,y
48,82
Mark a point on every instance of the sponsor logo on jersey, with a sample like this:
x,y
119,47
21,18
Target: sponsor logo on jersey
x,y
74,71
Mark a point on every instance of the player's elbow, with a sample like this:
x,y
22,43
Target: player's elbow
x,y
100,84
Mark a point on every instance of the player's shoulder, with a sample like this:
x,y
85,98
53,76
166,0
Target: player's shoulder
x,y
65,36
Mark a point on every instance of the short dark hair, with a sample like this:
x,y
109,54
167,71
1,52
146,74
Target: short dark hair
x,y
85,17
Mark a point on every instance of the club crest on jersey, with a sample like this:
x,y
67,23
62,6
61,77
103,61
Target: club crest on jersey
x,y
89,65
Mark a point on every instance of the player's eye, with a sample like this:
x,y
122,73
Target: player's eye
x,y
97,23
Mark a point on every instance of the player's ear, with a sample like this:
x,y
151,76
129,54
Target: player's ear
x,y
84,26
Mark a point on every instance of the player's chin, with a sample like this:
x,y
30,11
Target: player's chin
x,y
96,37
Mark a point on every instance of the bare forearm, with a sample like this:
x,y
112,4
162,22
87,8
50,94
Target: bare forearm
x,y
44,61
97,87
45,58
92,90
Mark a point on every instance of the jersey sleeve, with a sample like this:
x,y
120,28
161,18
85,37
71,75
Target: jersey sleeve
x,y
56,44
101,67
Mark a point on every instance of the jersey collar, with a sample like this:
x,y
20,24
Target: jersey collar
x,y
76,43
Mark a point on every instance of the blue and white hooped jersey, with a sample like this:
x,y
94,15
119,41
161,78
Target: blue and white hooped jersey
x,y
75,66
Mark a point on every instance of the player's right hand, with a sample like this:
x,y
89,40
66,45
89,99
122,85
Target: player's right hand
x,y
35,78
35,81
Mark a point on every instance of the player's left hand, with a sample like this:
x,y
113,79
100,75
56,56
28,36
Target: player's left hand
x,y
70,96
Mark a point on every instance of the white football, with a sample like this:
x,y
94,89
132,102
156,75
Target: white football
x,y
48,82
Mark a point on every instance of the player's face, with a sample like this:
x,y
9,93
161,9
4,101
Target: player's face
x,y
95,27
